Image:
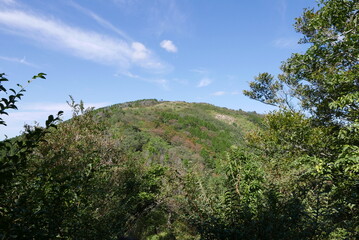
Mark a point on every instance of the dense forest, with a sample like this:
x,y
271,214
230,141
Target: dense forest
x,y
153,169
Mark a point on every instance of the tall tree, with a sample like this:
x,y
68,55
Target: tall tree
x,y
324,79
317,126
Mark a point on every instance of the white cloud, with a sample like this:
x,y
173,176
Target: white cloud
x,y
140,51
82,43
55,107
201,71
181,81
219,93
161,16
168,46
282,8
159,81
8,2
165,16
128,74
204,82
17,60
29,113
16,120
286,43
100,20
125,3
28,116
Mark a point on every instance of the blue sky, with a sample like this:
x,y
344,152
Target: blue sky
x,y
113,51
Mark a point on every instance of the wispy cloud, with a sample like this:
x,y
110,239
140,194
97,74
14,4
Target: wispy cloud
x,y
221,93
205,77
54,107
282,8
18,60
82,43
181,81
125,3
8,2
162,16
29,113
286,43
163,83
168,46
27,116
100,20
202,71
16,120
166,16
204,82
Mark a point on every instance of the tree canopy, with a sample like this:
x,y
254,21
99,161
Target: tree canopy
x,y
324,79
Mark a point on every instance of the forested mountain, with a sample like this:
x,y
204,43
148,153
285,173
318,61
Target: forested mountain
x,y
122,170
174,170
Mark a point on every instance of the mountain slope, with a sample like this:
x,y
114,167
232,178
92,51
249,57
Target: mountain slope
x,y
180,131
129,169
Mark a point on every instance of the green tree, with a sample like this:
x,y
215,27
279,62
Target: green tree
x,y
75,182
8,102
14,161
297,177
316,130
324,79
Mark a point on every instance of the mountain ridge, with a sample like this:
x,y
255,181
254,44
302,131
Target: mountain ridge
x,y
202,128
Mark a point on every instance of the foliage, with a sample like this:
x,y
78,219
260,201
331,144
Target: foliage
x,y
325,78
297,176
72,181
14,155
10,101
265,89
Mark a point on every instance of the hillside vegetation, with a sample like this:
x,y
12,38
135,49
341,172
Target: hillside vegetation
x,y
121,170
174,170
192,130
